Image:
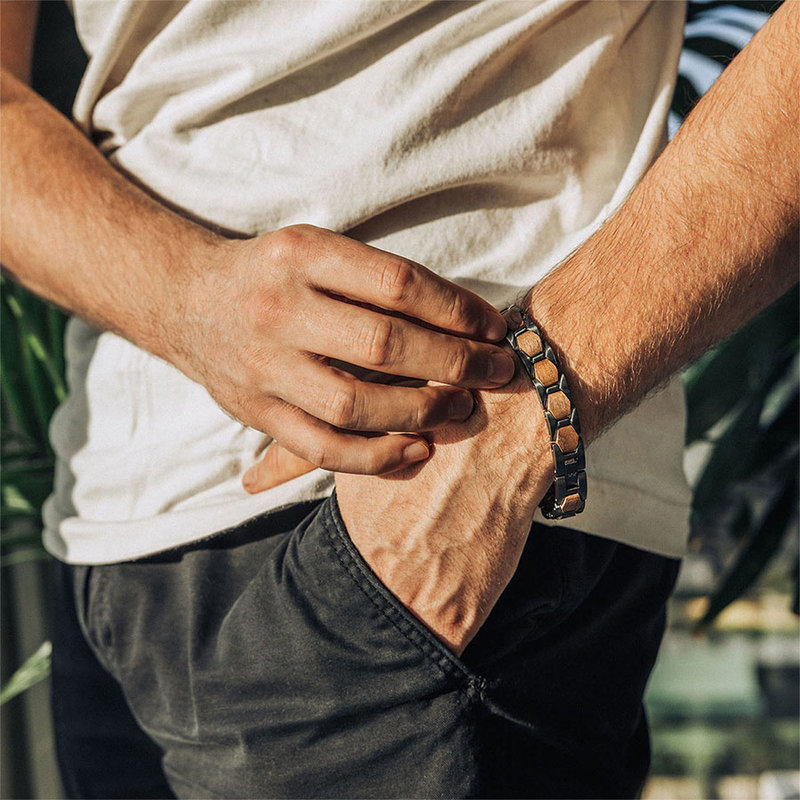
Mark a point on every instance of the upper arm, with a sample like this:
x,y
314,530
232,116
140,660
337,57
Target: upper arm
x,y
17,29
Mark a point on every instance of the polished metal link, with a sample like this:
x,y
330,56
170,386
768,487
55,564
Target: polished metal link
x,y
567,496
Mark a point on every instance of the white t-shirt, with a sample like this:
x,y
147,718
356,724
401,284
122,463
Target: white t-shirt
x,y
485,141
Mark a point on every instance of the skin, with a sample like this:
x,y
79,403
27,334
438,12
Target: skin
x,y
81,235
707,240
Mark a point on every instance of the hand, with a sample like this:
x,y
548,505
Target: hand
x,y
259,330
446,536
279,465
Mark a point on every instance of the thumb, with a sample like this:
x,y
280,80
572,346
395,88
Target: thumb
x,y
277,466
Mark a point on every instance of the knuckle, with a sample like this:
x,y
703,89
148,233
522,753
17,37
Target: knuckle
x,y
340,407
375,463
373,458
459,365
376,343
427,414
395,280
318,455
290,243
254,367
263,418
458,309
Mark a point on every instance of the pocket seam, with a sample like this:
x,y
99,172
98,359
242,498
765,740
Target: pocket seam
x,y
382,598
96,620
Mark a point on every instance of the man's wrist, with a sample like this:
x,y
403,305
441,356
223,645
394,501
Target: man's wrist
x,y
557,304
523,463
567,494
189,288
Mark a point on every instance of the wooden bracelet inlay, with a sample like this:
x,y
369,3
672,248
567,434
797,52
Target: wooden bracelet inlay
x,y
546,371
567,496
558,405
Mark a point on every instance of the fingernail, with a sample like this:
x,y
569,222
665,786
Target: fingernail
x,y
248,479
501,368
416,451
494,326
460,405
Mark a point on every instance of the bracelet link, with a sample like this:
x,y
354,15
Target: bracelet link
x,y
567,496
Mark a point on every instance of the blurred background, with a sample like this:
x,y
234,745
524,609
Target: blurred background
x,y
723,700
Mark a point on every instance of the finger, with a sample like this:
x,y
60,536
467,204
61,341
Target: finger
x,y
341,400
276,466
360,272
340,451
390,344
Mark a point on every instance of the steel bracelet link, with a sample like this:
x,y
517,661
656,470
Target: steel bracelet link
x,y
567,496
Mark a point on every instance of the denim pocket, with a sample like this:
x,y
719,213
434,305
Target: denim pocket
x,y
270,662
94,613
536,599
412,628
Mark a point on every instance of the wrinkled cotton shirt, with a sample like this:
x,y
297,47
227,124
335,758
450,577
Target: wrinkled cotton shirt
x,y
484,140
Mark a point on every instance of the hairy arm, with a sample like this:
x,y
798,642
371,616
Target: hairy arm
x,y
256,321
707,240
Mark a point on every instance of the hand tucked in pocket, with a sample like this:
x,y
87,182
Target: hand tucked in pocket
x,y
445,536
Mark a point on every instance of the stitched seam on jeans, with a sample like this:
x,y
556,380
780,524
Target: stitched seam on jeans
x,y
387,603
415,637
99,619
80,594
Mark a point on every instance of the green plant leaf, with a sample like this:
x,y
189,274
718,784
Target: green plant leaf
x,y
26,490
755,555
745,447
35,669
15,393
41,404
56,323
727,375
31,467
14,500
16,449
38,320
730,457
781,393
721,368
33,340
12,514
777,440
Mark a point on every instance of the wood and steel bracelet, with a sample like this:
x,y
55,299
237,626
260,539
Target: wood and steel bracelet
x,y
567,496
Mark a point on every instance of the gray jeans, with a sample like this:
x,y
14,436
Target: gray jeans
x,y
269,661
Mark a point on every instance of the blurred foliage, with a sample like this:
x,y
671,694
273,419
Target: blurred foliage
x,y
32,384
35,669
742,396
743,399
709,751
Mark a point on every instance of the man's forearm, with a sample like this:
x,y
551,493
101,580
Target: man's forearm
x,y
78,233
225,310
707,239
